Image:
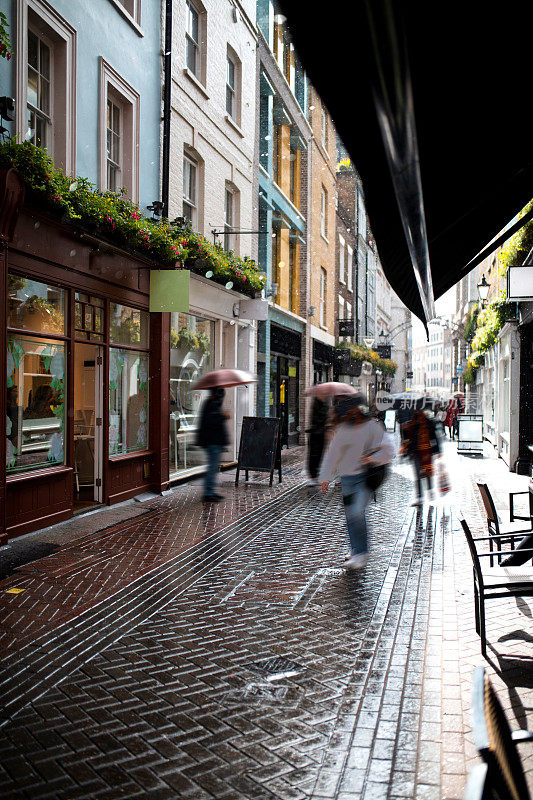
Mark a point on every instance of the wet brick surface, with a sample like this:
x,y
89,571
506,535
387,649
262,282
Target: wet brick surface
x,y
250,664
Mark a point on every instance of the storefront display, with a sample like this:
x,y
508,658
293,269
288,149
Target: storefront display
x,y
191,356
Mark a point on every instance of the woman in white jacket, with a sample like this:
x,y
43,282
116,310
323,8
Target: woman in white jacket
x,y
358,441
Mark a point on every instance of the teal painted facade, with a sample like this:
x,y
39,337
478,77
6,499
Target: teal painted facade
x,y
102,30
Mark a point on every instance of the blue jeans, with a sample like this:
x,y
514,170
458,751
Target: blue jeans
x,y
355,497
213,452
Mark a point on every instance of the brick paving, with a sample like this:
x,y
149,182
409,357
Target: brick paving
x,y
231,655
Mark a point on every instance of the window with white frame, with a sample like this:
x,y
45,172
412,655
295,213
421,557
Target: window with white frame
x,y
192,39
119,126
39,90
324,127
113,133
190,189
349,311
229,218
133,7
323,213
323,289
349,267
342,276
45,52
341,307
231,83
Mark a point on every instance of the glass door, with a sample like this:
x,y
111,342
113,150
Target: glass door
x,y
87,424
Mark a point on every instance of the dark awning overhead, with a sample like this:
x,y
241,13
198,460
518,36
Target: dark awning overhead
x,y
467,67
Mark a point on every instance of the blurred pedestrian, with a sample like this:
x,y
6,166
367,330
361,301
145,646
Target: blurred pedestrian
x,y
451,412
358,441
440,417
213,436
421,443
317,438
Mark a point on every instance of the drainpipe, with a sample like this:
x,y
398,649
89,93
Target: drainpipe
x,y
167,87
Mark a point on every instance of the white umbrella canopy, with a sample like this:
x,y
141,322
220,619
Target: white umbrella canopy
x,y
224,378
330,389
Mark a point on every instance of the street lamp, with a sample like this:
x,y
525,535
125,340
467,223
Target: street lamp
x,y
483,289
383,337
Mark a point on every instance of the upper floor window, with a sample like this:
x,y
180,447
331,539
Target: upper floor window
x,y
324,128
192,39
349,267
229,218
39,91
133,7
323,289
323,213
190,189
113,129
342,278
231,102
119,125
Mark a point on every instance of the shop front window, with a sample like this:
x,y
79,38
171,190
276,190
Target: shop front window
x,y
129,326
35,306
35,409
128,400
191,356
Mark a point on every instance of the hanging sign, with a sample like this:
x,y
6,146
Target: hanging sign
x,y
169,290
520,283
346,327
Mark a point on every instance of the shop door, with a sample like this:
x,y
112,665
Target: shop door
x,y
87,425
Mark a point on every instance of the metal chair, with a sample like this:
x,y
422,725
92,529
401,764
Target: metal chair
x,y
494,582
512,515
496,743
499,533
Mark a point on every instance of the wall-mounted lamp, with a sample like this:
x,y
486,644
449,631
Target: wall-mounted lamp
x,y
312,310
156,208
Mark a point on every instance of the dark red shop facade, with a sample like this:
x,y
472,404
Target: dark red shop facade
x,y
86,373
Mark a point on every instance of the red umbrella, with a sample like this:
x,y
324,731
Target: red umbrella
x,y
330,389
225,378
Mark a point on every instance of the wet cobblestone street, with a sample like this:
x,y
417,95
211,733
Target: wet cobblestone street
x,y
248,663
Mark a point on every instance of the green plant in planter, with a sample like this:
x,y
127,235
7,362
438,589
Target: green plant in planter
x,y
469,375
15,282
6,48
188,340
112,216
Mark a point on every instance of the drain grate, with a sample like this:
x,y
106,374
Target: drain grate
x,y
276,667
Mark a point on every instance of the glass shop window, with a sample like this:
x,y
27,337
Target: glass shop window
x,y
128,400
129,326
35,306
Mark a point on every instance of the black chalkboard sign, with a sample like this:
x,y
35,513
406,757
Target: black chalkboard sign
x,y
260,447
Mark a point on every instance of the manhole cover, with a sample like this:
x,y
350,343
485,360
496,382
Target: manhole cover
x,y
276,667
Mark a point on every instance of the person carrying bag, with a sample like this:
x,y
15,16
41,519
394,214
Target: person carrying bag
x,y
358,443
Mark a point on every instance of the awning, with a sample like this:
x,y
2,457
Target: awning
x,y
466,68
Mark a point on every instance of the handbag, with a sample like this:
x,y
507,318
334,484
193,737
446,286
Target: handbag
x,y
375,475
444,481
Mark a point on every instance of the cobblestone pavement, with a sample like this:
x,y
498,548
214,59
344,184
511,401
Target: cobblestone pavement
x,y
242,661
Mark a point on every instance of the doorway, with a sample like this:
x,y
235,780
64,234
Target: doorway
x,y
87,425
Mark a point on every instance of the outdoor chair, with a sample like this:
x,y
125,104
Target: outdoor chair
x,y
494,582
499,533
496,743
512,515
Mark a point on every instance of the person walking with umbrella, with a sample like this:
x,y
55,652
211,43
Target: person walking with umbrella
x,y
212,433
421,443
358,442
317,437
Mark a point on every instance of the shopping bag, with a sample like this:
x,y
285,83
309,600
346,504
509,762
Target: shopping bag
x,y
444,481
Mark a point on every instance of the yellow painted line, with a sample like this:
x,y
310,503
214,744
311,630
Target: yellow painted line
x,y
14,590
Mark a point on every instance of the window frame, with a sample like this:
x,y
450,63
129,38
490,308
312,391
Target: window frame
x,y
113,86
190,202
323,296
115,165
231,88
190,10
48,118
342,248
349,267
49,25
324,213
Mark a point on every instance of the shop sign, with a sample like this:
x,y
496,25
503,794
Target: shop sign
x,y
384,350
169,290
292,372
520,283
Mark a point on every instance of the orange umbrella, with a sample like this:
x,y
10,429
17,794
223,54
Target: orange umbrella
x,y
224,378
330,389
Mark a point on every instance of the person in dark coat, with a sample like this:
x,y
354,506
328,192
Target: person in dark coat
x,y
213,436
317,438
421,443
